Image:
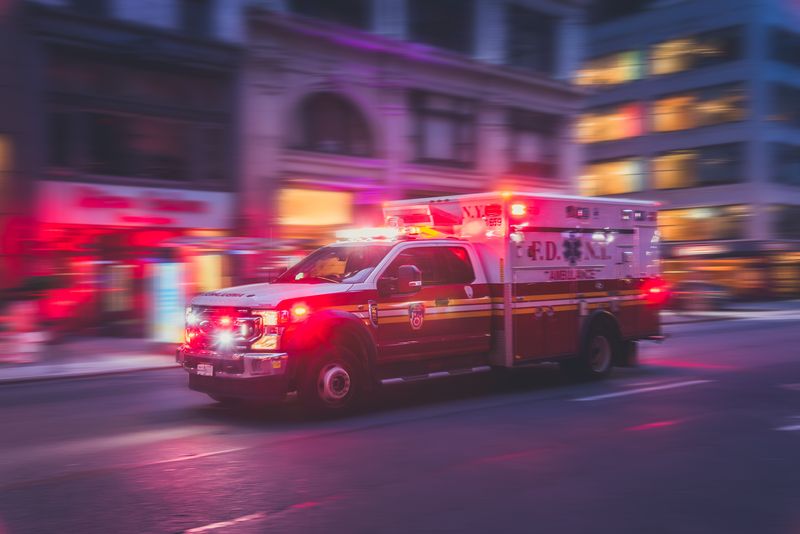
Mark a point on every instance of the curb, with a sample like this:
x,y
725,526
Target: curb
x,y
699,320
88,374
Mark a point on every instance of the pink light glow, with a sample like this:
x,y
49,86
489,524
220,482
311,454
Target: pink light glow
x,y
654,424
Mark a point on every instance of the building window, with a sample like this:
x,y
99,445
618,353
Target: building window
x,y
534,143
612,69
786,104
786,221
698,167
331,123
785,163
442,23
610,123
785,46
696,51
147,147
444,129
60,131
132,130
704,107
601,11
355,13
531,39
703,224
196,17
94,8
612,177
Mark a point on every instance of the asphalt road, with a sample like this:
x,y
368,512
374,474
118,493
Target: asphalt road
x,y
703,437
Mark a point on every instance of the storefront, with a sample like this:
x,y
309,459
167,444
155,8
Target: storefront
x,y
746,269
124,260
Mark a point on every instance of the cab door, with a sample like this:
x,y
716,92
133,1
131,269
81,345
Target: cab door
x,y
448,316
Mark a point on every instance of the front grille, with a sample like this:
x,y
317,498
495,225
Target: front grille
x,y
222,329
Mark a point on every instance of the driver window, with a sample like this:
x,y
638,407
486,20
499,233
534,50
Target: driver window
x,y
426,259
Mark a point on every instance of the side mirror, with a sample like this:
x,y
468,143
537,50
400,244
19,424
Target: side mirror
x,y
409,279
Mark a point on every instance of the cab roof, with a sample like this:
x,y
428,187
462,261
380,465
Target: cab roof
x,y
516,195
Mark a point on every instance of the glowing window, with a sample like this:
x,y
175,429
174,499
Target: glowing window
x,y
703,223
612,69
704,107
310,207
708,165
695,51
607,124
613,177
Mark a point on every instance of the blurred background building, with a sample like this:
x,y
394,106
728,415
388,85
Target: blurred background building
x,y
353,102
150,150
118,132
697,104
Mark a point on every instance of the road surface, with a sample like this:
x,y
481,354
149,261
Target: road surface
x,y
703,437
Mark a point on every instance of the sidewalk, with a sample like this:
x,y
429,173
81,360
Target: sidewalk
x,y
739,310
87,357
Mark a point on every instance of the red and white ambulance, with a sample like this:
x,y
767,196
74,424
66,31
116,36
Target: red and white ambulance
x,y
451,285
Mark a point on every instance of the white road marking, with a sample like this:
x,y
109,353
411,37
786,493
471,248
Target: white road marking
x,y
101,444
788,428
642,390
190,457
230,523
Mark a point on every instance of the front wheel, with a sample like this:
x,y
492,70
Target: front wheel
x,y
332,382
596,356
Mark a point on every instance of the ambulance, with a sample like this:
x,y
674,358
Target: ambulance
x,y
449,286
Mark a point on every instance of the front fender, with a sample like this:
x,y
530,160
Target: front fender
x,y
326,328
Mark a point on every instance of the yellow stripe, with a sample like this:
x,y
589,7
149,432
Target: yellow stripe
x,y
459,302
435,316
457,315
526,311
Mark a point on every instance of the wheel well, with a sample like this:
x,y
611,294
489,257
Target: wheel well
x,y
609,323
351,340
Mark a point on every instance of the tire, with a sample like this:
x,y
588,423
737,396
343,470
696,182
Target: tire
x,y
332,382
596,357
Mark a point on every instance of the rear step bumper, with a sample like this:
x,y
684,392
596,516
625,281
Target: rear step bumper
x,y
439,374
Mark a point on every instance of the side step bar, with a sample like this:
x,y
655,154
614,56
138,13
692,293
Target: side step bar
x,y
438,374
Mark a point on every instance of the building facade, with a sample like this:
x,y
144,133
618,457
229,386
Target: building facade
x,y
695,104
352,103
118,156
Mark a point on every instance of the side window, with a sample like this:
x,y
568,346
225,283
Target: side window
x,y
434,272
458,264
439,265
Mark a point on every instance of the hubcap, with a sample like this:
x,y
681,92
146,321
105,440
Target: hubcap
x,y
334,383
600,354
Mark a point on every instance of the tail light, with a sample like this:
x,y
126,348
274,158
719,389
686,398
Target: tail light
x,y
655,291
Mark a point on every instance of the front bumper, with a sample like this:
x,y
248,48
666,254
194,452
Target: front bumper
x,y
251,376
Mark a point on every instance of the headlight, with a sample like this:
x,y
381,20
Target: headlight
x,y
192,319
268,317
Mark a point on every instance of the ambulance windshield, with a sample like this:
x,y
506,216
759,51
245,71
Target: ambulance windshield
x,y
337,264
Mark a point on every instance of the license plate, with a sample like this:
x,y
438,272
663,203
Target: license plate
x,y
205,369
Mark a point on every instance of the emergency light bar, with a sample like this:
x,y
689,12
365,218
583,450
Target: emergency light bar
x,y
364,234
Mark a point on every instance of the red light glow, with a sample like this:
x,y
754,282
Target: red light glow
x,y
299,312
654,424
655,291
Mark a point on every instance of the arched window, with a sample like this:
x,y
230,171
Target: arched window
x,y
330,123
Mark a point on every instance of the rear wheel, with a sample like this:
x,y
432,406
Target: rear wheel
x,y
332,382
596,356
